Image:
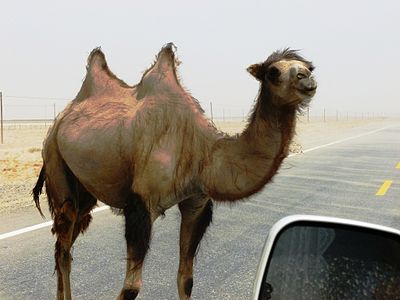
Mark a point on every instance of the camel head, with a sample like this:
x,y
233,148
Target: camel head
x,y
287,77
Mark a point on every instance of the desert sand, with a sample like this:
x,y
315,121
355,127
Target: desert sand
x,y
20,154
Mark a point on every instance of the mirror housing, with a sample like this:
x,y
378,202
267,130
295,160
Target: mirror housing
x,y
318,254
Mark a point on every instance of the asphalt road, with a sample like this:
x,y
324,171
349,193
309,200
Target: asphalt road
x,y
339,180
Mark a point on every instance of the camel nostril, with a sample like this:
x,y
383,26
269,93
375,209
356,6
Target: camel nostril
x,y
310,84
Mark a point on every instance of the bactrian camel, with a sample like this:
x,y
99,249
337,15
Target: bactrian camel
x,y
148,147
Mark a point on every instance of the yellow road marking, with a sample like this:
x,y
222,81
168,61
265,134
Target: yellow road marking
x,y
383,189
398,166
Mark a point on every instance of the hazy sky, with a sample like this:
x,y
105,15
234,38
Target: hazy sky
x,y
355,46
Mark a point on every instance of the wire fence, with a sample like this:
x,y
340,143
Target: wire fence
x,y
46,108
19,112
32,108
222,113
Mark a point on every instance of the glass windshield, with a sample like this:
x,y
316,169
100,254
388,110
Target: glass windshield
x,y
333,262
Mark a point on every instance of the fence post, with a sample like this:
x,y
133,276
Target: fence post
x,y
1,113
212,117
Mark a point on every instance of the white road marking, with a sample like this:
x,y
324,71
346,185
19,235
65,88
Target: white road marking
x,y
39,226
24,230
49,223
341,140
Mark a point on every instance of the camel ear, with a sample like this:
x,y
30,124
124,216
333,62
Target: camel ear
x,y
256,70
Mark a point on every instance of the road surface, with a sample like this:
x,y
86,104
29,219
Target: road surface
x,y
340,179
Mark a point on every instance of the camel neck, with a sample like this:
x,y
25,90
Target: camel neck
x,y
241,166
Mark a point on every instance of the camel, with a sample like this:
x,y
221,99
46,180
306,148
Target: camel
x,y
145,148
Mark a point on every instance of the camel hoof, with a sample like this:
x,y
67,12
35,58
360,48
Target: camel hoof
x,y
129,294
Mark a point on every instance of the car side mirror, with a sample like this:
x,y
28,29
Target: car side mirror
x,y
313,257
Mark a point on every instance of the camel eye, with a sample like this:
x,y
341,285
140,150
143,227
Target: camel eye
x,y
301,75
273,74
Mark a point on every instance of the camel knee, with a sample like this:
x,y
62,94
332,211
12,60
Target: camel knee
x,y
188,285
64,220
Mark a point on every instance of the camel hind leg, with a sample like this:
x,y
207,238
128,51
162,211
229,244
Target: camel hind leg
x,y
69,222
196,217
63,227
70,205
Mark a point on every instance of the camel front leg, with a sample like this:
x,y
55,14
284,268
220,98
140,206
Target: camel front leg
x,y
196,217
137,234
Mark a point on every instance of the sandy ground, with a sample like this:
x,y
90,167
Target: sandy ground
x,y
20,155
20,163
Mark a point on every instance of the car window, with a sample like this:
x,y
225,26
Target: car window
x,y
332,263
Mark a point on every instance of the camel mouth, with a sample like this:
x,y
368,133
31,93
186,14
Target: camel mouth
x,y
307,86
308,91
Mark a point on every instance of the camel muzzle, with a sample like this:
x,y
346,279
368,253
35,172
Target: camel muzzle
x,y
308,84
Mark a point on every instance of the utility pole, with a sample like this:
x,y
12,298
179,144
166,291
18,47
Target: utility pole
x,y
212,117
54,111
1,113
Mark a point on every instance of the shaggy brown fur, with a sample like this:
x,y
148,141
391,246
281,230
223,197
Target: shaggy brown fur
x,y
148,147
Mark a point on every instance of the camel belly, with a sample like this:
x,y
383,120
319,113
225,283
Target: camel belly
x,y
107,181
158,181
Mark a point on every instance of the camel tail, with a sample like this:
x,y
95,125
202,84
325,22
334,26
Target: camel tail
x,y
37,190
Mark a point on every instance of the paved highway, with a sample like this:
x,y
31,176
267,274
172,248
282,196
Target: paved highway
x,y
340,179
